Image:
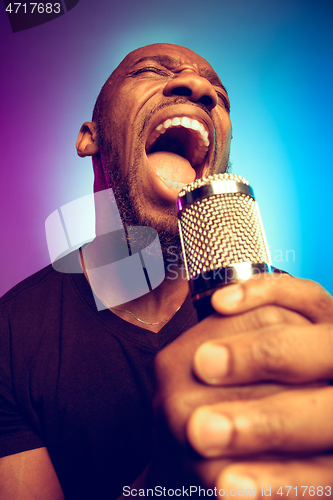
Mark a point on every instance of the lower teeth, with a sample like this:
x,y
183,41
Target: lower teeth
x,y
172,184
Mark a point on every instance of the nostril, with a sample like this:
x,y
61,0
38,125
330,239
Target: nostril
x,y
181,91
206,100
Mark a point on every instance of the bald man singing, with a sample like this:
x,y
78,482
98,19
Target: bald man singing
x,y
238,402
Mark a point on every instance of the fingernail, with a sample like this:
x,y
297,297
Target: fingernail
x,y
230,480
230,295
212,432
211,362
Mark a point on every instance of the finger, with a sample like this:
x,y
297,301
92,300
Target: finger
x,y
292,479
303,296
289,354
295,421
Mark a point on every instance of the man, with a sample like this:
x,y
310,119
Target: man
x,y
246,389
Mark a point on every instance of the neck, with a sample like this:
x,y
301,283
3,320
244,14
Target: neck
x,y
157,306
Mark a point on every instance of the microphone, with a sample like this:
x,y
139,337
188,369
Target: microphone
x,y
222,236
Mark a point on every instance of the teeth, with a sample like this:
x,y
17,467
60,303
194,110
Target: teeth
x,y
202,129
184,121
195,125
175,122
172,184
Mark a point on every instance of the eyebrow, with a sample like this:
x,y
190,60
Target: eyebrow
x,y
167,61
171,62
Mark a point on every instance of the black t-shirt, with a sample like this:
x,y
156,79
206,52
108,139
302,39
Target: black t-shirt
x,y
78,381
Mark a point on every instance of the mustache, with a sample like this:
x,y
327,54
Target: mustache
x,y
177,100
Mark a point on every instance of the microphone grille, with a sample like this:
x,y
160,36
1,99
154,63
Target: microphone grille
x,y
220,224
215,177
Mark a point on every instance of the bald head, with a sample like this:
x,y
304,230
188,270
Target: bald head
x,y
169,54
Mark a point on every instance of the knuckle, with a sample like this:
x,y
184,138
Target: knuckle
x,y
172,405
161,366
174,410
271,315
322,300
270,354
167,364
261,317
327,331
269,429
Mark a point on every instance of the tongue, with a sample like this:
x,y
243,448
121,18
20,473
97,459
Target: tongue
x,y
171,167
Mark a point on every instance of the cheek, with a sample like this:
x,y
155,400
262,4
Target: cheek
x,y
124,125
224,122
118,123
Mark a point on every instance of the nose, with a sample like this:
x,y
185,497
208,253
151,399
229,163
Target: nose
x,y
196,88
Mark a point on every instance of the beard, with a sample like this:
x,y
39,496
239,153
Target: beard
x,y
132,212
130,207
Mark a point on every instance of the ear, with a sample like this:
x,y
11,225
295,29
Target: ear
x,y
86,144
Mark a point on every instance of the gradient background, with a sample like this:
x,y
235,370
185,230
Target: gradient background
x,y
274,57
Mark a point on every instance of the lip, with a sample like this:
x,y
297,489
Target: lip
x,y
190,111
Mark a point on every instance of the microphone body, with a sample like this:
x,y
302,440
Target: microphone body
x,y
222,236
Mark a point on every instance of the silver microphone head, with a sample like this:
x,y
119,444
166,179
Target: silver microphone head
x,y
221,231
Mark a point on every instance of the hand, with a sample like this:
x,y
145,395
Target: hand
x,y
299,307
294,423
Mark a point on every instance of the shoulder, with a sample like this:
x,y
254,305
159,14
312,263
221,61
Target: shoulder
x,y
49,279
32,314
27,284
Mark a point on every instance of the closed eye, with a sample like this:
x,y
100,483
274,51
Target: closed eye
x,y
149,69
225,101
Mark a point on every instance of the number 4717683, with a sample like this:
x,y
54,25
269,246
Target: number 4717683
x,y
48,8
306,490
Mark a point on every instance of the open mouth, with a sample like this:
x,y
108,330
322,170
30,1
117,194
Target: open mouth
x,y
177,150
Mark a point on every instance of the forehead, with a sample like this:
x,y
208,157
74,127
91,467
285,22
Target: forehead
x,y
167,55
175,54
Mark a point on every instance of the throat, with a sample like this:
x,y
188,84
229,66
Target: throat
x,y
146,311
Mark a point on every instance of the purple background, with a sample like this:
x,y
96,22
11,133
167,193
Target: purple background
x,y
275,58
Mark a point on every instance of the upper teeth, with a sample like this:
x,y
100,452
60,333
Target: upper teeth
x,y
184,121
